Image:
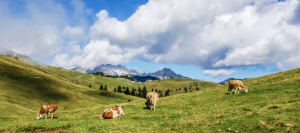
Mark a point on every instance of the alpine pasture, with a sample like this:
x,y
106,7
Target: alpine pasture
x,y
271,104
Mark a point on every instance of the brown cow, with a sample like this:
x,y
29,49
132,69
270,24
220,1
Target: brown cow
x,y
152,98
237,84
52,107
113,112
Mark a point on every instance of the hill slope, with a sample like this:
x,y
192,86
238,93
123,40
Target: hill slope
x,y
272,104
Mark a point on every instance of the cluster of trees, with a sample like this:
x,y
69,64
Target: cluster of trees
x,y
140,92
111,76
101,87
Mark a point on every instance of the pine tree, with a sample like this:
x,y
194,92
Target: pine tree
x,y
197,88
105,88
119,89
139,89
167,93
152,89
115,90
140,94
185,89
127,91
101,87
90,85
161,95
155,90
132,92
144,93
77,82
179,89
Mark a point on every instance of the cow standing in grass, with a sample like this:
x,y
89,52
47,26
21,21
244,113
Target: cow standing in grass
x,y
152,98
113,112
237,84
52,107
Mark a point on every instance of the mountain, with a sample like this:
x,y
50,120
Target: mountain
x,y
108,69
23,58
229,79
165,73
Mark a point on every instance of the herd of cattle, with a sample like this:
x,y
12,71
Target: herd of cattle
x,y
152,98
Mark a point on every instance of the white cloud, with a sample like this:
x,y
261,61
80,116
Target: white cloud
x,y
209,34
96,53
288,64
217,73
74,33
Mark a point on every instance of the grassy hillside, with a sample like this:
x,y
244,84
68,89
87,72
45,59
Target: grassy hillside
x,y
272,104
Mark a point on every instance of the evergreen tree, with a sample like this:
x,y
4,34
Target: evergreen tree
x,y
129,100
185,89
144,92
140,94
101,87
77,82
176,90
123,87
127,91
105,88
197,88
119,89
139,89
155,90
161,95
115,90
179,89
152,89
167,93
132,92
90,85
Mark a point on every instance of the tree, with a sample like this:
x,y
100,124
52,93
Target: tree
x,y
167,93
105,88
101,87
155,90
139,89
185,89
144,92
77,82
132,92
119,89
129,100
152,89
179,89
197,88
161,95
140,94
176,90
115,90
90,85
127,91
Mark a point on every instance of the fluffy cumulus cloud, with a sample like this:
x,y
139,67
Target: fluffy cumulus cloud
x,y
97,52
210,34
217,73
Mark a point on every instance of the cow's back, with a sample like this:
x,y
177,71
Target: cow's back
x,y
236,83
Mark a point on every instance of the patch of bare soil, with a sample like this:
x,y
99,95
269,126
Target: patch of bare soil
x,y
60,129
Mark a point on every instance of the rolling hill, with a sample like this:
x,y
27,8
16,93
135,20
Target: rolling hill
x,y
271,105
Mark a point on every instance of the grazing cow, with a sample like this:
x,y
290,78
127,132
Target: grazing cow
x,y
152,98
113,112
237,84
52,107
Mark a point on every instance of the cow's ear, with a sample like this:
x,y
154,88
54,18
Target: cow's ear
x,y
122,106
116,106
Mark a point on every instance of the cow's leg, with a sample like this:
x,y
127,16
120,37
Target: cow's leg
x,y
154,106
235,90
149,106
52,114
46,115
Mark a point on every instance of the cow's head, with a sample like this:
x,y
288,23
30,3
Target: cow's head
x,y
120,109
245,89
39,116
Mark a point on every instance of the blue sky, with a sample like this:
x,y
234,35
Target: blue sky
x,y
206,40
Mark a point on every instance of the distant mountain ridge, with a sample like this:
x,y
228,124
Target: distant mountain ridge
x,y
165,73
108,69
23,58
123,70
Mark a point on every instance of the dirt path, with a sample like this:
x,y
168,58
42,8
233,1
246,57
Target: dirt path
x,y
93,77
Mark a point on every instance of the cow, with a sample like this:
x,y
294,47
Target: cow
x,y
52,107
112,113
152,98
237,84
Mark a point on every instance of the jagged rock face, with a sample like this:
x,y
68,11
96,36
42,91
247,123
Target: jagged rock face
x,y
108,69
166,72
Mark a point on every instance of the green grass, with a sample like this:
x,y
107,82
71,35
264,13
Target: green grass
x,y
271,105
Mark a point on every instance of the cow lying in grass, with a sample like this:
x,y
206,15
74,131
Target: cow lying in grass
x,y
237,84
52,107
113,112
152,98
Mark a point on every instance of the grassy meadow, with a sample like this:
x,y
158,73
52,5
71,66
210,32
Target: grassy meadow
x,y
271,105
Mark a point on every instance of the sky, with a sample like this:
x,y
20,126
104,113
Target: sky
x,y
206,40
